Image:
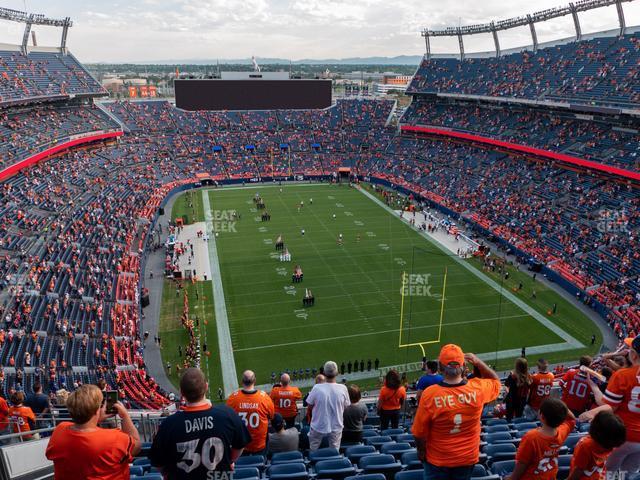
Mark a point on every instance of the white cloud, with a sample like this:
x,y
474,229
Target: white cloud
x,y
208,29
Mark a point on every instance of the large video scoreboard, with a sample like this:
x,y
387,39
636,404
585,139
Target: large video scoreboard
x,y
251,93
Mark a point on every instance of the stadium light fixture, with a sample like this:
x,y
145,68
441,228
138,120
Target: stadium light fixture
x,y
30,19
542,16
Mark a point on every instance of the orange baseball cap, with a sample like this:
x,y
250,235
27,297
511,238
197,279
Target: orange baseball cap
x,y
633,343
451,353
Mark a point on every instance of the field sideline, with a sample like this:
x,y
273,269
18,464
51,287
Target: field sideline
x,y
357,286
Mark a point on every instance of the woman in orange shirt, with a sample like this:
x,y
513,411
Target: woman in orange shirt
x,y
390,401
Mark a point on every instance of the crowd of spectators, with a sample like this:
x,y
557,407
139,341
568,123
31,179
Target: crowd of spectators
x,y
601,70
43,74
598,140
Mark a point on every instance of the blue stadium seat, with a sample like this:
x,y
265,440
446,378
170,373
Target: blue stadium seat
x,y
247,473
410,475
396,449
334,469
525,426
497,428
407,438
571,441
256,461
564,466
354,454
142,461
410,460
382,463
496,421
136,470
497,452
519,420
393,432
288,471
287,457
369,476
378,441
328,453
498,437
370,433
503,468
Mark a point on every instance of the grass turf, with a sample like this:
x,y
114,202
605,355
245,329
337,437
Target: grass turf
x,y
357,286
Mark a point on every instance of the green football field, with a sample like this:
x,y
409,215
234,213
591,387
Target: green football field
x,y
386,292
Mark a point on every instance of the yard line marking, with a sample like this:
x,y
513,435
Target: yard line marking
x,y
225,346
572,342
379,332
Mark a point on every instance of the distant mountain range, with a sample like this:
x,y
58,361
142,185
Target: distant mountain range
x,y
398,60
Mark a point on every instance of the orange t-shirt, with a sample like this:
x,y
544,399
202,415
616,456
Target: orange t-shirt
x,y
284,399
590,458
540,388
448,420
623,394
20,417
390,399
540,452
4,414
256,409
106,453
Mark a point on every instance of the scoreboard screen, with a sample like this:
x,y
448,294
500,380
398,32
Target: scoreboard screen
x,y
216,94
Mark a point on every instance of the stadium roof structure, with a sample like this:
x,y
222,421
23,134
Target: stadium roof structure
x,y
530,19
30,19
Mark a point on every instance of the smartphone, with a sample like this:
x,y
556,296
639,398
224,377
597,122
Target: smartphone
x,y
111,397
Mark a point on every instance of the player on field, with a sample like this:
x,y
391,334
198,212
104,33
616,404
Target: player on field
x,y
200,438
622,397
284,398
255,408
447,423
537,457
541,385
576,393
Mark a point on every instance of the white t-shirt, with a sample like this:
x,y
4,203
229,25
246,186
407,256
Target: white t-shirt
x,y
329,401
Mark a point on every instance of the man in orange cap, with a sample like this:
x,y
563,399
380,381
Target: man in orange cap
x,y
448,416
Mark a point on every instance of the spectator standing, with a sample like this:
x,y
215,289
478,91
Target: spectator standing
x,y
39,403
448,416
537,456
431,377
200,438
606,432
22,417
576,393
390,400
328,400
282,439
4,416
541,384
255,408
81,449
621,396
519,384
354,416
284,398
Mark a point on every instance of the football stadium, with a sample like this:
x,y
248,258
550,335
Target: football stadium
x,y
258,277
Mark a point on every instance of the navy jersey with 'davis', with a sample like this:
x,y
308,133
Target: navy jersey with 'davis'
x,y
195,441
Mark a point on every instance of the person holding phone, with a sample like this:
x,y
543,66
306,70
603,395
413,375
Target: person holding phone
x,y
81,449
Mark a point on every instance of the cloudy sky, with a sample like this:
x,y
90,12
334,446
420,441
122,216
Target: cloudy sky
x,y
155,30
